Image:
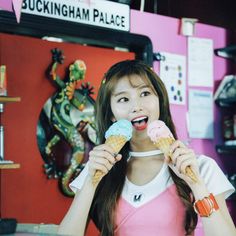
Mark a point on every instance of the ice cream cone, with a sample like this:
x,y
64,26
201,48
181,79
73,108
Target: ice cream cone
x,y
116,143
116,137
164,144
162,139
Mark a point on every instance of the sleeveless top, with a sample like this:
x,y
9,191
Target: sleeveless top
x,y
155,208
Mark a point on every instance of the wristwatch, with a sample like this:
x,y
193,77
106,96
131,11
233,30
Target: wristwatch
x,y
206,206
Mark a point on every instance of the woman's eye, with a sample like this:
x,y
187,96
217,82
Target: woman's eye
x,y
145,93
124,99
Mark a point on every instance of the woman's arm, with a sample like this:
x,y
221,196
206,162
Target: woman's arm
x,y
74,222
101,158
219,222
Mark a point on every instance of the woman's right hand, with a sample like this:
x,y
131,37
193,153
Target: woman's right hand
x,y
102,158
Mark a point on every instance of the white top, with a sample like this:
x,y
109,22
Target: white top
x,y
213,176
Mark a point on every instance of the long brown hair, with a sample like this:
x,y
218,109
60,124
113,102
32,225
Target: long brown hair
x,y
109,189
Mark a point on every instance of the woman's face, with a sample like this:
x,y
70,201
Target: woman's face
x,y
134,100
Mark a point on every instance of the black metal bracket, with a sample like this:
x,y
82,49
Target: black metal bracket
x,y
227,52
157,56
38,26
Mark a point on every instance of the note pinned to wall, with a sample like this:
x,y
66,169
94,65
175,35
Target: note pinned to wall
x,y
173,74
200,62
200,115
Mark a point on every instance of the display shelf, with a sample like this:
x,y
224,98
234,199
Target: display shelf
x,y
227,52
226,102
10,166
232,197
226,149
4,99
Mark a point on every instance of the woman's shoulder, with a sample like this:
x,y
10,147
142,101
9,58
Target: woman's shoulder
x,y
205,160
207,165
213,176
203,157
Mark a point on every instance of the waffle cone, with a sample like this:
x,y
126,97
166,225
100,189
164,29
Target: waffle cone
x,y
164,145
116,142
191,174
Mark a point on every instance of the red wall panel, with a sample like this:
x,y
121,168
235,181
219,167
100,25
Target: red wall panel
x,y
26,193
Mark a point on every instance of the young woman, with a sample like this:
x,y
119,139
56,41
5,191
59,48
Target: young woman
x,y
142,191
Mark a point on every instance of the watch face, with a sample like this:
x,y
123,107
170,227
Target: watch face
x,y
204,207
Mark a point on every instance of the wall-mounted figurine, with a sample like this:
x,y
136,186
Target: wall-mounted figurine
x,y
66,129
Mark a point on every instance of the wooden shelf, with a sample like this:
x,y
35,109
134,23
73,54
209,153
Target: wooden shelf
x,y
10,166
227,52
232,197
4,99
226,102
226,149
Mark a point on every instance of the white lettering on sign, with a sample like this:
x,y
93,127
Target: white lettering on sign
x,y
95,12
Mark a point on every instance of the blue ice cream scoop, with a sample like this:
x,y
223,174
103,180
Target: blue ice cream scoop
x,y
122,127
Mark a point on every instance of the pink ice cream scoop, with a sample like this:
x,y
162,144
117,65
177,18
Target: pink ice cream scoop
x,y
158,129
162,138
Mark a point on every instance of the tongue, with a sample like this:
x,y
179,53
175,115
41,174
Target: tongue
x,y
140,125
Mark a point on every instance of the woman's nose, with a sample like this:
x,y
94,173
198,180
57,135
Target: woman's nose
x,y
137,106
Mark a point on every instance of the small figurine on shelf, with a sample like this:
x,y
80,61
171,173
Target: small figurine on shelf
x,y
228,128
3,81
3,92
226,88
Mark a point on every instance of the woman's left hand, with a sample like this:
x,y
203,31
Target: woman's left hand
x,y
179,158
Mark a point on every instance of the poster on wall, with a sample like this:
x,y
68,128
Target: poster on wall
x,y
173,74
200,114
200,62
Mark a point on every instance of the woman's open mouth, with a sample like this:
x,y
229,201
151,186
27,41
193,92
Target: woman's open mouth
x,y
140,123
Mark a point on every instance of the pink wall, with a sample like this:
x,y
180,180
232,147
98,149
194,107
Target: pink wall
x,y
165,37
26,193
15,194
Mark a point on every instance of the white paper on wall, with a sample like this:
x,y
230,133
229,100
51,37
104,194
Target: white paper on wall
x,y
173,74
200,62
200,115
